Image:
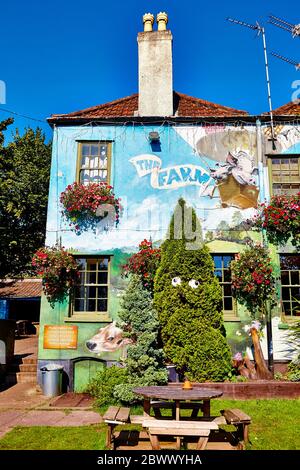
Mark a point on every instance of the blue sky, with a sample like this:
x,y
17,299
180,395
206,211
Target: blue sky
x,y
65,55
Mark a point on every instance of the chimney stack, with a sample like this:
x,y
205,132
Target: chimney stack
x,y
155,68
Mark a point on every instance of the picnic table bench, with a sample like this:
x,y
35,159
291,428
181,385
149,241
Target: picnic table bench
x,y
114,415
200,429
241,420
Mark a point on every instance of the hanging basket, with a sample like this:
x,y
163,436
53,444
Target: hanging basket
x,y
280,219
90,207
59,272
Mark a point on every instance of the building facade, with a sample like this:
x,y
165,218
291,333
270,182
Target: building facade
x,y
153,148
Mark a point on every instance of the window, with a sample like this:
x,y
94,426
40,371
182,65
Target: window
x,y
290,284
285,174
94,162
90,297
223,273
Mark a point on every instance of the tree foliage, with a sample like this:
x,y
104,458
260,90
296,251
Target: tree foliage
x,y
188,299
138,320
24,181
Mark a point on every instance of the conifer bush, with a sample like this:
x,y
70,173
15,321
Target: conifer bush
x,y
188,299
139,322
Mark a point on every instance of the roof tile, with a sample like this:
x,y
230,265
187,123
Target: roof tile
x,y
184,106
11,289
289,109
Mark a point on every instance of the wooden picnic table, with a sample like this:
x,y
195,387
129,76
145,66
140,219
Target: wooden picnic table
x,y
178,395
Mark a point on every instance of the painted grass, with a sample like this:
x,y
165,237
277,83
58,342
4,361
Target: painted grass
x,y
275,426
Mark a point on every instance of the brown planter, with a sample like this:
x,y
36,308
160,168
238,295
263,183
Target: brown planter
x,y
260,389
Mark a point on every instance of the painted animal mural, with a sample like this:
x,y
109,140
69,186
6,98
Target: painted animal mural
x,y
107,339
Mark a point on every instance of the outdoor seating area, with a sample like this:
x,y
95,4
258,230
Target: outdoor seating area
x,y
181,422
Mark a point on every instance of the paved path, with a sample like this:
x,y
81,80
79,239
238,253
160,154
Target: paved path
x,y
22,405
21,397
10,418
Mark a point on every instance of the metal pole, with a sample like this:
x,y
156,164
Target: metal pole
x,y
267,307
268,317
262,29
269,338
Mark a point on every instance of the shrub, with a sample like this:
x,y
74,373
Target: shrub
x,y
144,362
294,372
59,272
294,338
102,386
188,299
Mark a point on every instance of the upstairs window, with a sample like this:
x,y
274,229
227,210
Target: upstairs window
x,y
94,162
285,174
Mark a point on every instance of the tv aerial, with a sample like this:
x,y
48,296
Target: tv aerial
x,y
261,31
294,29
286,59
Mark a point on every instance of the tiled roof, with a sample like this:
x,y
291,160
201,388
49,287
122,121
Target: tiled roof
x,y
12,289
188,106
184,106
289,109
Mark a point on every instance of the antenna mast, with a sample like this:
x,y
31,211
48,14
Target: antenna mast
x,y
261,30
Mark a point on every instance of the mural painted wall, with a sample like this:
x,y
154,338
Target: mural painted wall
x,y
219,170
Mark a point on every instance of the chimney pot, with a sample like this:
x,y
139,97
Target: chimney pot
x,y
162,20
148,20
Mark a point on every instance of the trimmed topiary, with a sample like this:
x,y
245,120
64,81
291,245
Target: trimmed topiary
x,y
188,299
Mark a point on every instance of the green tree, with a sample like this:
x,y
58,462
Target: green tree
x,y
209,236
188,299
24,181
237,219
138,320
3,127
223,229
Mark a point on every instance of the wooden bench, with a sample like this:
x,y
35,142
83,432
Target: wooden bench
x,y
200,429
241,420
114,415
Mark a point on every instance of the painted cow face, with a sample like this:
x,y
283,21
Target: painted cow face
x,y
108,339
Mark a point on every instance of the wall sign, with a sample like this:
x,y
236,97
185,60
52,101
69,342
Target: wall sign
x,y
60,336
173,177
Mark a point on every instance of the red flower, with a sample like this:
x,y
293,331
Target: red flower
x,y
80,203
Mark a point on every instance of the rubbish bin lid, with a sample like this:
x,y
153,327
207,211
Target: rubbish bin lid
x,y
52,366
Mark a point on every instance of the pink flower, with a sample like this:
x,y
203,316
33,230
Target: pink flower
x,y
238,357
